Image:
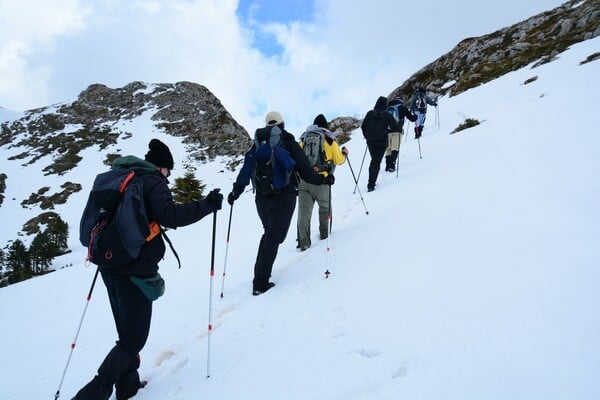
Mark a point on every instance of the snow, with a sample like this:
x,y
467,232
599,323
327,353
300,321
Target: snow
x,y
474,275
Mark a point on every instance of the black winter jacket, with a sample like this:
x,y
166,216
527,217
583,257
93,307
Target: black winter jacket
x,y
379,111
403,112
161,208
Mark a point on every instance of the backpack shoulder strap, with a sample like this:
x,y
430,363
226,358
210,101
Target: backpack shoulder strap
x,y
164,234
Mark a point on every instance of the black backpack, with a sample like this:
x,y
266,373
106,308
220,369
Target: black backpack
x,y
376,130
420,103
114,225
273,166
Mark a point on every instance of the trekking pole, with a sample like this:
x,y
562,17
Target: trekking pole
x,y
437,116
330,214
212,274
361,197
419,142
359,171
74,343
328,235
398,150
226,250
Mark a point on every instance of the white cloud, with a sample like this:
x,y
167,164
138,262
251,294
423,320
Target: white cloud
x,y
51,51
29,30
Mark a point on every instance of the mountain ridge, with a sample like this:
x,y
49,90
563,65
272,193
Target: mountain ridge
x,y
536,40
52,138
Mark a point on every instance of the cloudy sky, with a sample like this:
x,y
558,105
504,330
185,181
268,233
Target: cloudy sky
x,y
301,57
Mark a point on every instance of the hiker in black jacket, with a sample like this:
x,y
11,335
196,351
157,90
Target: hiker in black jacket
x,y
375,127
275,208
131,308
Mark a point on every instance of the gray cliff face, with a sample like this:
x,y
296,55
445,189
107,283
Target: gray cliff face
x,y
182,109
98,119
537,40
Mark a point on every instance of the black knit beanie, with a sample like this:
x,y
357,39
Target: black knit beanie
x,y
159,154
321,121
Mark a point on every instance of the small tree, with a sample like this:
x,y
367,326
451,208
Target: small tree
x,y
58,234
3,280
187,188
41,252
18,263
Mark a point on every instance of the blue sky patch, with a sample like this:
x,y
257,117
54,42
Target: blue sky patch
x,y
255,14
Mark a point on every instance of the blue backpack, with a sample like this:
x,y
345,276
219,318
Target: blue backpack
x,y
273,165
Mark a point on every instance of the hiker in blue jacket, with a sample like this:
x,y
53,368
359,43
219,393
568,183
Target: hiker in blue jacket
x,y
131,309
275,200
397,109
418,105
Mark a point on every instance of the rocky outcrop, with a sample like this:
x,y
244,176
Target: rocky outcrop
x,y
536,40
183,109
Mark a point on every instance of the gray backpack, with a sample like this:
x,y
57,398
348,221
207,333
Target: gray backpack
x,y
312,144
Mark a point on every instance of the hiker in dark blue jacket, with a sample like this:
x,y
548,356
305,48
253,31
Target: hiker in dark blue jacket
x,y
418,105
375,127
132,310
275,203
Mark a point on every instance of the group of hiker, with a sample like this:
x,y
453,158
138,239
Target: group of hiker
x,y
383,128
280,169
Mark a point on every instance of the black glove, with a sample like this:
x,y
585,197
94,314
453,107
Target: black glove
x,y
215,199
328,180
233,196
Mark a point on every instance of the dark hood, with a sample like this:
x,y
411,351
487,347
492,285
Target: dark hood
x,y
381,104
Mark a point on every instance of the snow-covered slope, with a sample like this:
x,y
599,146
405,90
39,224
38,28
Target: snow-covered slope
x,y
474,275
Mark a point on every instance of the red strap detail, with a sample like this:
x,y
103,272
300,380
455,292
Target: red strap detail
x,y
125,182
95,231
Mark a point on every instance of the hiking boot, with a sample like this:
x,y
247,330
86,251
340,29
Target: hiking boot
x,y
128,385
418,132
324,236
94,390
259,291
370,188
302,246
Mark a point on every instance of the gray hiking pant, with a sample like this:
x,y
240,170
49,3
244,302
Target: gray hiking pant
x,y
308,194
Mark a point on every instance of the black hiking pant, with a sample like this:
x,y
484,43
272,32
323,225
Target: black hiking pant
x,y
275,213
376,152
132,312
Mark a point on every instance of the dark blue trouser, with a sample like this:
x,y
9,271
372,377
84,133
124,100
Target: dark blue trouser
x,y
275,213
